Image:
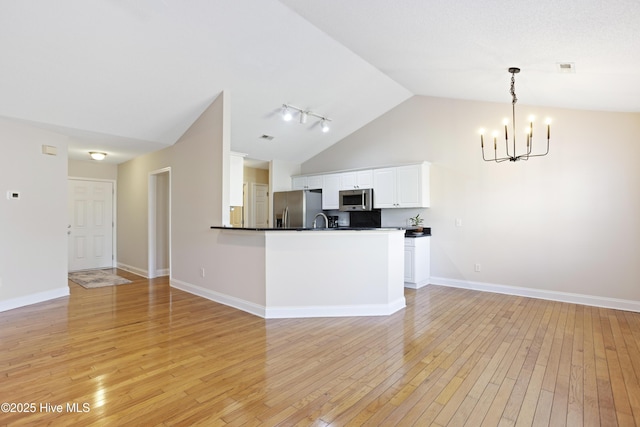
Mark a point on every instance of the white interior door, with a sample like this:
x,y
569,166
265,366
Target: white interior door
x,y
90,224
261,205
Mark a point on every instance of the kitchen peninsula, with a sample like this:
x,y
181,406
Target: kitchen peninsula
x,y
317,272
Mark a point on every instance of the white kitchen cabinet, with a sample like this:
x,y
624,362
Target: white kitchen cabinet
x,y
330,190
356,180
417,268
401,187
236,175
306,182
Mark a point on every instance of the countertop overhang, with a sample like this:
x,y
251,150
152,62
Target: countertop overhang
x,y
426,233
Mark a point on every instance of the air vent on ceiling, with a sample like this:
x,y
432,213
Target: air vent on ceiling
x,y
266,137
566,67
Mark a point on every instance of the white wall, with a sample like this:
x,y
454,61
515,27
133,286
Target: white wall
x,y
92,169
33,229
568,222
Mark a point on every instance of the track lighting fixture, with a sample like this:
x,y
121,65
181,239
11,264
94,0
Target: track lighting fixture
x,y
287,116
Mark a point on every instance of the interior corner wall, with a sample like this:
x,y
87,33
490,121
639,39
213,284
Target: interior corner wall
x,y
33,228
197,203
568,222
199,262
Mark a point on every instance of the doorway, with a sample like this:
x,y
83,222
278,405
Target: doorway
x,y
159,223
90,229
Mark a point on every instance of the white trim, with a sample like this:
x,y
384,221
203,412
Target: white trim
x,y
162,272
411,285
590,300
290,312
34,298
151,220
335,311
224,299
134,270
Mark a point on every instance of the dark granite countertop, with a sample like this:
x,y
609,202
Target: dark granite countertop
x,y
426,232
307,229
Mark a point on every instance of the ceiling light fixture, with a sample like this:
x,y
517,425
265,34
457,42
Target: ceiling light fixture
x,y
304,115
511,155
97,155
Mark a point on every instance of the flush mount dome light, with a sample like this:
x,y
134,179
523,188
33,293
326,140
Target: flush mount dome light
x,y
97,155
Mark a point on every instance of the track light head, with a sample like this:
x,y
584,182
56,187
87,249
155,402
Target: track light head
x,y
286,114
324,126
303,117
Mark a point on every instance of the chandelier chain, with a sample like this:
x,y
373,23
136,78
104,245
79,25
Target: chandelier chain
x,y
514,99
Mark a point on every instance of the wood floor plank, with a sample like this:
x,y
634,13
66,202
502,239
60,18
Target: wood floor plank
x,y
148,354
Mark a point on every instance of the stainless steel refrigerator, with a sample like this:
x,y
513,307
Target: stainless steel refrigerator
x,y
296,209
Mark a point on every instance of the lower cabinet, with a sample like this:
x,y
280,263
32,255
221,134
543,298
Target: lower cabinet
x,y
417,269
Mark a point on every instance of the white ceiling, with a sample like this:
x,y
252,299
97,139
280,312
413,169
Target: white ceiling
x,y
130,76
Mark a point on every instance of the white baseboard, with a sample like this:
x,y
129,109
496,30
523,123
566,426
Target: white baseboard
x,y
418,285
290,312
134,270
162,272
335,311
34,298
218,297
590,300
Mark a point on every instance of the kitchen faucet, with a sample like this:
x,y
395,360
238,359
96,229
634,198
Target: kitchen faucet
x,y
326,220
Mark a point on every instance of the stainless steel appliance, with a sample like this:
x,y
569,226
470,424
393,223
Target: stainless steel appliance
x,y
296,209
356,200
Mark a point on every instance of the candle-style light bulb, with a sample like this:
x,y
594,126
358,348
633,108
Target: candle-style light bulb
x,y
548,121
481,138
531,119
505,122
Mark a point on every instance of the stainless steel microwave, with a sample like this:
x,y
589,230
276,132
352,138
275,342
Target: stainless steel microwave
x,y
356,200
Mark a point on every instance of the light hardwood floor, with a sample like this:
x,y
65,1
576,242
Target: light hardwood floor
x,y
147,354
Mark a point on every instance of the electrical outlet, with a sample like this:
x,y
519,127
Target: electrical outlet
x,y
458,222
477,268
202,272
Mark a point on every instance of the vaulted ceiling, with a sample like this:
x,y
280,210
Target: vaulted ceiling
x,y
130,76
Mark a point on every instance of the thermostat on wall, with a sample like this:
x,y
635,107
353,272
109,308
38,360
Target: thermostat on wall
x,y
13,195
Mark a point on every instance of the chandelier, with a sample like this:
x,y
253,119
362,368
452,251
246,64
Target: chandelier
x,y
511,155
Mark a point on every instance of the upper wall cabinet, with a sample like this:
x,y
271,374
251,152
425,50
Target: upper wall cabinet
x,y
311,182
401,187
330,190
356,180
236,175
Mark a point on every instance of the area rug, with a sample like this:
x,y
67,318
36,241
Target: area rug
x,y
97,278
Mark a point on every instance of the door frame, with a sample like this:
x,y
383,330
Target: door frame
x,y
114,219
152,208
